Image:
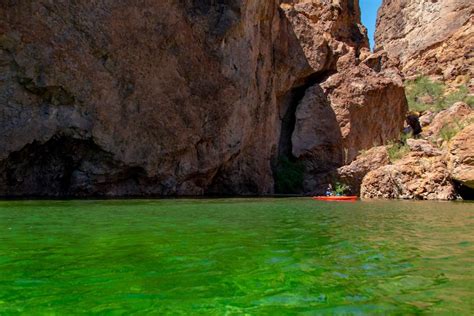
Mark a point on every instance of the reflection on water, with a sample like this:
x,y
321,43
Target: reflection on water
x,y
236,256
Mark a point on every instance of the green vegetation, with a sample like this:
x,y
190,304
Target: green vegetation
x,y
453,128
398,149
425,94
289,176
449,131
462,94
340,188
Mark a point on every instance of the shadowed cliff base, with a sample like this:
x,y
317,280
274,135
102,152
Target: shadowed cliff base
x,y
65,166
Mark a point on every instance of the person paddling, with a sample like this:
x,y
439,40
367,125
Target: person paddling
x,y
329,191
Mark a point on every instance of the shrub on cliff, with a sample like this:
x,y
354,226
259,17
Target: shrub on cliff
x,y
341,188
451,129
398,149
462,94
425,94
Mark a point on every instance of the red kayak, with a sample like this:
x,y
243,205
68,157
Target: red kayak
x,y
336,198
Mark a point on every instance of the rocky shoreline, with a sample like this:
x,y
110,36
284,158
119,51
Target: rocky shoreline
x,y
191,98
429,167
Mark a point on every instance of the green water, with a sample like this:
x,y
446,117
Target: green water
x,y
236,256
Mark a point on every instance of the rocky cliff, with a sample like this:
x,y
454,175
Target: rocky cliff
x,y
185,97
434,39
429,37
438,165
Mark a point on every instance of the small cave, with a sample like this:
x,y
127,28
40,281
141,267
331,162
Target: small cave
x,y
66,166
285,162
464,191
293,99
288,122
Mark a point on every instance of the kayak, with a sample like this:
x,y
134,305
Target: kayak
x,y
336,198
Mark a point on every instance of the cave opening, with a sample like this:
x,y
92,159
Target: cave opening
x,y
293,99
288,171
464,191
65,166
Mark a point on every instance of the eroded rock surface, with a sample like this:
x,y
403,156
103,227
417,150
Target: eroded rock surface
x,y
461,149
413,177
184,97
455,114
429,37
353,174
422,147
179,91
427,171
356,101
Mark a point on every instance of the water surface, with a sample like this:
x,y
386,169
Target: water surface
x,y
236,256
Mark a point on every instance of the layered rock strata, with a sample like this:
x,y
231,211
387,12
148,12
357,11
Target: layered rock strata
x,y
185,97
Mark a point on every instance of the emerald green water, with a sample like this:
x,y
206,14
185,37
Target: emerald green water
x,y
236,256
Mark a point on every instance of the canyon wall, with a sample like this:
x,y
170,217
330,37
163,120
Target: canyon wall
x,y
433,38
187,97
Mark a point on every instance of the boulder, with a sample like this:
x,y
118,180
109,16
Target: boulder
x,y
426,118
461,162
454,114
369,106
353,174
422,147
413,177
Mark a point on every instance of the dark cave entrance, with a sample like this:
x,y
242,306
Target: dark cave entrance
x,y
288,171
465,192
65,167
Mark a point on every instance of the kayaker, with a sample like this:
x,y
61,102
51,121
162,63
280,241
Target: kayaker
x,y
329,191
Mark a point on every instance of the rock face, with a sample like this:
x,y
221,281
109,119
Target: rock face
x,y
435,168
184,97
353,174
429,37
461,149
414,177
354,102
455,114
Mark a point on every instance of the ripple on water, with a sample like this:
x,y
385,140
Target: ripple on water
x,y
254,256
